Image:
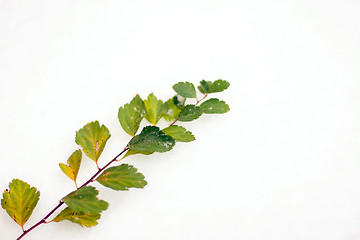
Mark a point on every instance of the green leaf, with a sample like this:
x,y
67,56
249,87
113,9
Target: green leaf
x,y
214,105
219,86
172,111
212,87
204,86
151,139
92,138
179,101
133,152
131,115
20,200
84,200
185,89
189,113
72,169
122,177
155,109
179,133
83,219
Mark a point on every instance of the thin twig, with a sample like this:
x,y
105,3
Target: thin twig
x,y
198,101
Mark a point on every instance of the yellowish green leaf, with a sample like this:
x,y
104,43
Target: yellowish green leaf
x,y
92,138
179,133
67,170
122,177
155,109
172,110
84,200
83,219
20,200
131,115
72,169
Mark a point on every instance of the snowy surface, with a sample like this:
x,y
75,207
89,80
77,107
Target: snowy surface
x,y
283,164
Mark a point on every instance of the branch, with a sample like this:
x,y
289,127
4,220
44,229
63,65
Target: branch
x,y
61,202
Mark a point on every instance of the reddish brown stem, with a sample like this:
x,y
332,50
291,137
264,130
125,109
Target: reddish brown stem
x,y
61,202
198,101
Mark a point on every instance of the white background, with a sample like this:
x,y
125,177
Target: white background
x,y
283,164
